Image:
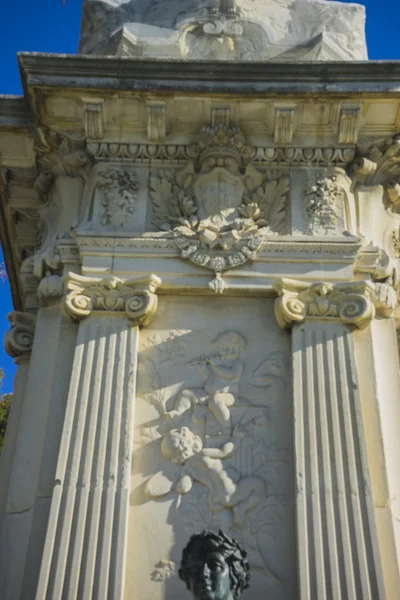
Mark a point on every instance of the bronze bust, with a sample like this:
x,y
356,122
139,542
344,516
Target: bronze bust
x,y
214,567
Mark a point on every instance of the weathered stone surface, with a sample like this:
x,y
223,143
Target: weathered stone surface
x,y
225,30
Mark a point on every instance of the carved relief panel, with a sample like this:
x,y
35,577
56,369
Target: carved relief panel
x,y
213,442
322,202
118,199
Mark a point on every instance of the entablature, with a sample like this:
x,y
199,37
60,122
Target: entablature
x,y
252,172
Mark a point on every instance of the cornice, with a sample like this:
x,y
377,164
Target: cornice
x,y
333,78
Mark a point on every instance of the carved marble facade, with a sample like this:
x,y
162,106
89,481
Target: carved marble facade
x,y
205,271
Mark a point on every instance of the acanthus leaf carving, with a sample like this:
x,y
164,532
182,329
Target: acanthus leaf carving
x,y
219,207
352,302
135,297
377,162
18,340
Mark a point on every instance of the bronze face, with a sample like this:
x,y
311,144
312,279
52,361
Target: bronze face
x,y
209,578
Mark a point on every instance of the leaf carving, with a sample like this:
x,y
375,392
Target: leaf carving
x,y
272,200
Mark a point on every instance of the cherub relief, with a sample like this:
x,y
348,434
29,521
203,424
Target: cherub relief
x,y
217,437
222,372
204,465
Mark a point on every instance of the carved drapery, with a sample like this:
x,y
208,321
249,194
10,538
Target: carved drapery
x,y
90,500
338,553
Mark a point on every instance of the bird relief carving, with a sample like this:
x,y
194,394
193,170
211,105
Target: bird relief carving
x,y
214,435
219,207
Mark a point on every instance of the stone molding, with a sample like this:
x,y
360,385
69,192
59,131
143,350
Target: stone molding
x,y
18,340
281,244
352,302
135,297
180,153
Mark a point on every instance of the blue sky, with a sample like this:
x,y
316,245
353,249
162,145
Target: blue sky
x,y
50,26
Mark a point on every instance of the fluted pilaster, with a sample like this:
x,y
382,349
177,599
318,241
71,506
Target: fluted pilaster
x,y
338,554
18,343
85,547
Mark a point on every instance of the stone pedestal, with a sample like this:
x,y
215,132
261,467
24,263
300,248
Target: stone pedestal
x,y
140,419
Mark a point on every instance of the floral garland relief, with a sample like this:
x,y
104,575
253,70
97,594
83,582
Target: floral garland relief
x,y
221,428
219,207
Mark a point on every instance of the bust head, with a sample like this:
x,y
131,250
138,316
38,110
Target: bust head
x,y
214,567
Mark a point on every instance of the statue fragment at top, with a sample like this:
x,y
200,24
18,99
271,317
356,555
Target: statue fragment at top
x,y
244,30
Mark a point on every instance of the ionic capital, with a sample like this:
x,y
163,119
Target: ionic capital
x,y
18,340
352,303
135,297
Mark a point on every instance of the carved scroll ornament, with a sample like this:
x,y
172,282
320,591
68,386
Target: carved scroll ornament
x,y
135,297
352,303
18,340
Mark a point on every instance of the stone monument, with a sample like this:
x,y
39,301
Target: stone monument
x,y
200,215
